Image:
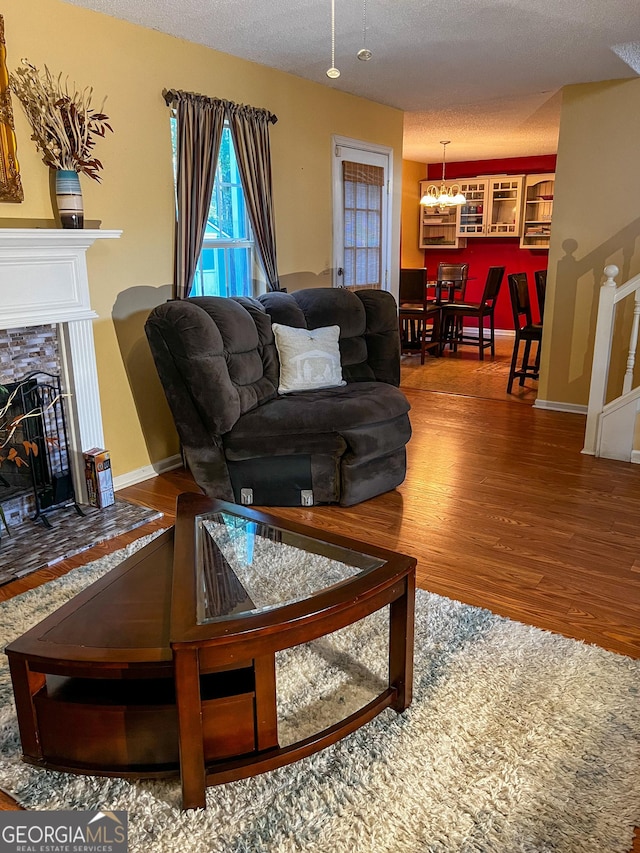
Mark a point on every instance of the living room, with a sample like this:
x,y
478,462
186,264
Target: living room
x,y
468,468
132,275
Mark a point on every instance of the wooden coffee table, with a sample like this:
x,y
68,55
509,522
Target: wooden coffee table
x,y
166,664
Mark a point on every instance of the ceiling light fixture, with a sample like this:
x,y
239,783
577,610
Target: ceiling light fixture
x,y
333,72
443,196
364,53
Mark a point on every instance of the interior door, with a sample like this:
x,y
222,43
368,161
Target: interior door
x,y
361,215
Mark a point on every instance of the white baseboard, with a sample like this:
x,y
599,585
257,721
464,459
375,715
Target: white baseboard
x,y
148,471
635,455
472,332
554,406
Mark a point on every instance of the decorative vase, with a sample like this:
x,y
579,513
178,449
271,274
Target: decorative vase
x,y
69,199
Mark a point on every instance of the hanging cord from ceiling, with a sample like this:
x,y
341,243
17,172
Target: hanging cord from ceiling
x,y
333,72
364,53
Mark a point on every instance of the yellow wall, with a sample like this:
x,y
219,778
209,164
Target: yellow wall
x,y
410,255
132,65
596,221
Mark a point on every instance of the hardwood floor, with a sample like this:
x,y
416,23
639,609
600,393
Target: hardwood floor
x,y
502,511
463,373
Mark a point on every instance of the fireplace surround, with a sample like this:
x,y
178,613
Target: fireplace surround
x,y
44,280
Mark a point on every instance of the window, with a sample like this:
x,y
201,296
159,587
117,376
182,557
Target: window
x,y
362,224
225,266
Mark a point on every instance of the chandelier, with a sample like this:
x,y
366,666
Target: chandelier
x,y
443,196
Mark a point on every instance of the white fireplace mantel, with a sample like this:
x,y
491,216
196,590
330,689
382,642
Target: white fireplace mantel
x,y
43,280
43,275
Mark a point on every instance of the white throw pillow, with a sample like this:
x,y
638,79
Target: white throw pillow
x,y
309,358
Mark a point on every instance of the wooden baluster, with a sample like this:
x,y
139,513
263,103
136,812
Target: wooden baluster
x,y
633,346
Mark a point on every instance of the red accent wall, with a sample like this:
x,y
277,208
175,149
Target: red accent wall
x,y
506,166
484,252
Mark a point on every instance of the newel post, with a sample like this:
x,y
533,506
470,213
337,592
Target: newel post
x,y
601,357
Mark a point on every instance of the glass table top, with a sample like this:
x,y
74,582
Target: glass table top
x,y
246,567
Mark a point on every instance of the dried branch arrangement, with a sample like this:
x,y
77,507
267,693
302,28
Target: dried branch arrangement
x,y
9,428
63,122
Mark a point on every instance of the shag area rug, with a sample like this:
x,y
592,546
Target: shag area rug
x,y
516,740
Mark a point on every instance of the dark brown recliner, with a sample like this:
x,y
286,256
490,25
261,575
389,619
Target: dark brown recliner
x,y
244,442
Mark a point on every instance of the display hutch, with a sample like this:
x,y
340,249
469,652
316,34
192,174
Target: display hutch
x,y
496,206
538,210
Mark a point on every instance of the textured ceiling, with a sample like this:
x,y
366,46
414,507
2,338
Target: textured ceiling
x,y
484,74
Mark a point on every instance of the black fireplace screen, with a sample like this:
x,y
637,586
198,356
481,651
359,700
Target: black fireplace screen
x,y
34,453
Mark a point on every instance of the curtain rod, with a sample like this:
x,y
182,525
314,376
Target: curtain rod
x,y
172,96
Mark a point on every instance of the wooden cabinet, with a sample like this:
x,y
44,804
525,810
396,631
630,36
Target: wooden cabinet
x,y
504,206
472,215
492,208
438,226
496,206
537,211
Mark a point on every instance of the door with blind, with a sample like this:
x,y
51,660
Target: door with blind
x,y
361,215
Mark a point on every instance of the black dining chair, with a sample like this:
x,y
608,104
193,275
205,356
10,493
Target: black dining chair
x,y
540,277
525,330
453,279
454,314
451,286
418,315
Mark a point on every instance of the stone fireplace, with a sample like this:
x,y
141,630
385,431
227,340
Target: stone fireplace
x,y
44,292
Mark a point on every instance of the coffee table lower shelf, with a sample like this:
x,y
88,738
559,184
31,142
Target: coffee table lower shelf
x,y
129,727
271,759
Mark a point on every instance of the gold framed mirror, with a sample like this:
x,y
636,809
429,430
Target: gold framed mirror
x,y
10,183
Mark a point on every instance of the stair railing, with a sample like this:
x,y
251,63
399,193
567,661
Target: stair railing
x,y
610,296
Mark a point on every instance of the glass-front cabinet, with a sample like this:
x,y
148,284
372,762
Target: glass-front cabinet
x,y
496,206
538,209
504,203
472,215
492,208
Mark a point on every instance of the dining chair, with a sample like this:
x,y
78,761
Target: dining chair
x,y
540,277
453,278
418,315
454,314
525,330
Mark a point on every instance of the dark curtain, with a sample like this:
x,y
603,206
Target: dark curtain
x,y
200,122
250,132
199,125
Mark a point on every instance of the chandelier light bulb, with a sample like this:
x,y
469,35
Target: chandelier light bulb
x,y
333,73
364,54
